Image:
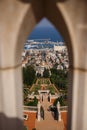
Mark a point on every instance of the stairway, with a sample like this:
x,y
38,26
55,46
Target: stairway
x,y
48,123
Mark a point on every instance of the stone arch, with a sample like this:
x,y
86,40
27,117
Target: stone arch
x,y
13,14
55,16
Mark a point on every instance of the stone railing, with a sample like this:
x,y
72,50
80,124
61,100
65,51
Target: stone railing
x,y
54,96
30,108
64,108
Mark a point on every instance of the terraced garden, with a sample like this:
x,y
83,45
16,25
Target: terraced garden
x,y
42,82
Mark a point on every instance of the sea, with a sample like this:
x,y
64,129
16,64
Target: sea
x,y
46,33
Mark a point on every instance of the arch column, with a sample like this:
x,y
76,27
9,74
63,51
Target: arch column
x,y
79,112
11,98
79,106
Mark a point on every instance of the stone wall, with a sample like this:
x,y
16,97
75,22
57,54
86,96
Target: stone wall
x,y
30,122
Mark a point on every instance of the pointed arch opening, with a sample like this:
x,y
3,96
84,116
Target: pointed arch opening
x,y
55,17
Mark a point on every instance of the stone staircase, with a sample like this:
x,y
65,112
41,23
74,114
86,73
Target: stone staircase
x,y
48,123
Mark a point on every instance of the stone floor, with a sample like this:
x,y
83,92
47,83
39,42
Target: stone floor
x,y
48,123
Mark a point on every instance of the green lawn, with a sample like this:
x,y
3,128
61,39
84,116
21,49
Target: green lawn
x,y
43,81
35,89
51,88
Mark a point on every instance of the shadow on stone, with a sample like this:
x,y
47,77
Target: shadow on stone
x,y
25,1
28,1
7,123
60,0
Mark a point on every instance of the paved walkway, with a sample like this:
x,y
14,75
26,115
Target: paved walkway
x,y
48,123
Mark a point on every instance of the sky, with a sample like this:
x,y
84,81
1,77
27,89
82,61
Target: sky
x,y
44,23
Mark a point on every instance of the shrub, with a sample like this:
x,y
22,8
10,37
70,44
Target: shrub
x,y
34,129
33,103
25,128
61,100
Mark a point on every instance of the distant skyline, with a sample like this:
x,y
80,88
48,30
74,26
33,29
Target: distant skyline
x,y
45,30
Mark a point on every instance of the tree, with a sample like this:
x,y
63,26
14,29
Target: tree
x,y
28,75
46,73
55,65
59,78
